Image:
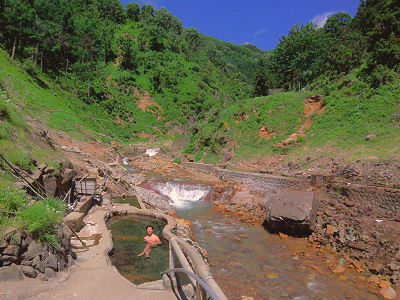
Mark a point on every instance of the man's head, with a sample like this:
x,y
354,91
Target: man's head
x,y
149,229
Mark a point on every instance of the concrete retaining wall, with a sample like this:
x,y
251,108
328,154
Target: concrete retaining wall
x,y
262,182
197,166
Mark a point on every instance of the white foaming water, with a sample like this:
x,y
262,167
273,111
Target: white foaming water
x,y
152,151
182,195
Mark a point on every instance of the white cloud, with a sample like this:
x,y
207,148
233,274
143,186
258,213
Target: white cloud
x,y
320,20
260,32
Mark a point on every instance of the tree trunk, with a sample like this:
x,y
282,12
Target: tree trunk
x,y
35,57
88,88
66,69
14,47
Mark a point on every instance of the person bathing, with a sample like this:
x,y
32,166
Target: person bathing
x,y
152,241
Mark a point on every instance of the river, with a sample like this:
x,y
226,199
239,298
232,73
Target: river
x,y
248,261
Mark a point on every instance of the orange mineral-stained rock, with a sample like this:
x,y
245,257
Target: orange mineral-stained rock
x,y
184,222
388,293
317,269
339,269
273,275
384,283
283,236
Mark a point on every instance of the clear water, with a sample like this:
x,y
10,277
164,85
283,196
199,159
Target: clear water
x,y
248,261
127,235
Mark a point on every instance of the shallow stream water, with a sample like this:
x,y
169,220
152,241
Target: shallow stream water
x,y
248,261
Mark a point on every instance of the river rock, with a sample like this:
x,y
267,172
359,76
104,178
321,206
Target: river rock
x,y
384,283
11,250
52,262
330,230
49,273
394,267
291,212
376,268
339,269
388,293
11,273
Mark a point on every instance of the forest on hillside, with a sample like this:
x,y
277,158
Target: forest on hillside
x,y
108,57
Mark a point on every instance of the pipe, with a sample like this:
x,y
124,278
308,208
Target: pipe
x,y
182,258
202,283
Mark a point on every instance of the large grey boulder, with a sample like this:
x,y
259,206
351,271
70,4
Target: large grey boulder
x,y
291,212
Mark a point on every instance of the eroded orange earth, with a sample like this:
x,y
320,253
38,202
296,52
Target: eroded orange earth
x,y
312,105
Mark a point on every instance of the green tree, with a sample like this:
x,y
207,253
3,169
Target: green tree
x,y
19,18
336,24
192,42
147,13
379,20
133,11
296,54
260,82
341,51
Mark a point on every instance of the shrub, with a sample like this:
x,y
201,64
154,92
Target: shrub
x,y
21,159
41,219
199,155
12,200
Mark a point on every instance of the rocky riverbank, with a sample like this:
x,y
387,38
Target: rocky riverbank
x,y
359,227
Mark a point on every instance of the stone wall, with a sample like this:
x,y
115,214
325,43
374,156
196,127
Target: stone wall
x,y
370,196
262,182
21,256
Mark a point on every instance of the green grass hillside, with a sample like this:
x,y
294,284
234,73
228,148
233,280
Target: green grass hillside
x,y
140,76
350,111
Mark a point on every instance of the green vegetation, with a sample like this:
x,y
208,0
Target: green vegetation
x,y
39,219
136,74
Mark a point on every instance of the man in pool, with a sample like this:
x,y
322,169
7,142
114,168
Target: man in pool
x,y
151,239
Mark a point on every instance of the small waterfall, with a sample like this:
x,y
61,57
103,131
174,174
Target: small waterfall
x,y
182,194
125,161
152,151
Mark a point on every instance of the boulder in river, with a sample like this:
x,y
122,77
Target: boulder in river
x,y
291,212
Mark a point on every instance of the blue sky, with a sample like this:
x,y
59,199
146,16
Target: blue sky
x,y
258,22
